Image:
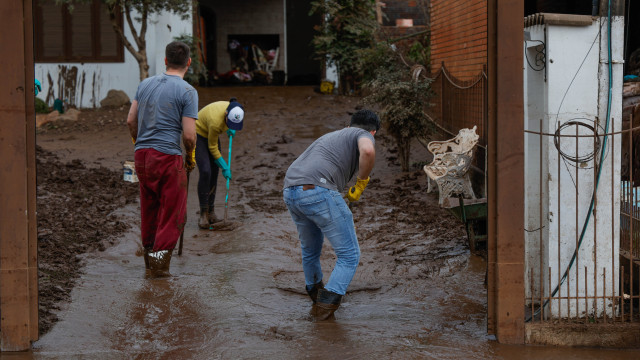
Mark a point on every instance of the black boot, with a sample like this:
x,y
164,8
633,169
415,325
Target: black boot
x,y
326,305
159,262
312,290
147,267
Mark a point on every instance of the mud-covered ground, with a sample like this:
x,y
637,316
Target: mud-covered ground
x,y
75,213
402,232
418,292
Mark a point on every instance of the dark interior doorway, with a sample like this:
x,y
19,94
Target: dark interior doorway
x,y
302,69
207,31
632,38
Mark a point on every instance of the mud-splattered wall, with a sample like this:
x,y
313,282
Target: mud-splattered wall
x,y
84,85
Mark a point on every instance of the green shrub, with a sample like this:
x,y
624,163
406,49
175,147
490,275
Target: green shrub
x,y
197,72
41,107
401,98
348,26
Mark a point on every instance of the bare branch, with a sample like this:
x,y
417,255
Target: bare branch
x,y
127,13
143,21
118,29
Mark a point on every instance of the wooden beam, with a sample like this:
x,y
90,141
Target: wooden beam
x,y
506,171
18,238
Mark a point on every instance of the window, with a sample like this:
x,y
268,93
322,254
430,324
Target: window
x,y
82,35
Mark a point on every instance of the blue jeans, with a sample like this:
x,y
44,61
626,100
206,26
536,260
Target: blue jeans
x,y
318,213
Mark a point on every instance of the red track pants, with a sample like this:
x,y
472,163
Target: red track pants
x,y
163,198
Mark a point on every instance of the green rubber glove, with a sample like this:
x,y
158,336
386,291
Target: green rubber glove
x,y
226,171
231,132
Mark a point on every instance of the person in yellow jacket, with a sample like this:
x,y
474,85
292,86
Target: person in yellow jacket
x,y
213,120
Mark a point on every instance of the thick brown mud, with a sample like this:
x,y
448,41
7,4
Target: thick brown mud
x,y
418,292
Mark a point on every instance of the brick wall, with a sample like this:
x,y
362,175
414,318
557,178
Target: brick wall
x,y
459,36
244,17
405,9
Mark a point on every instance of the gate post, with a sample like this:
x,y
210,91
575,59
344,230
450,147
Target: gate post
x,y
506,171
18,237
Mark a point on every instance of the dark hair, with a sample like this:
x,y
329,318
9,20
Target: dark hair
x,y
365,119
177,54
233,99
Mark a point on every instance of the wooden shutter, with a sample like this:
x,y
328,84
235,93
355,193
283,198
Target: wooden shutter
x,y
85,34
51,31
81,31
110,43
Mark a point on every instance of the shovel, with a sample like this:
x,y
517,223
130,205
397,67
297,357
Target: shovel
x,y
226,225
185,219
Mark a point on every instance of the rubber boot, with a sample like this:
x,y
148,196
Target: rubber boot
x,y
326,305
312,290
213,218
159,262
147,268
203,222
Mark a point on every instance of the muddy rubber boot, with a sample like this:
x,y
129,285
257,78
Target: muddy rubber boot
x,y
159,262
203,222
147,268
213,218
326,305
312,290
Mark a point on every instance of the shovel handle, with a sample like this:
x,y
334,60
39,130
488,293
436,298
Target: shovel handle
x,y
185,220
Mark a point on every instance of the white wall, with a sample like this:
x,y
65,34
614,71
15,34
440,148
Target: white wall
x,y
572,90
536,220
86,84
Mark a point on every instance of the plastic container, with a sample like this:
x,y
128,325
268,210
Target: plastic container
x,y
129,169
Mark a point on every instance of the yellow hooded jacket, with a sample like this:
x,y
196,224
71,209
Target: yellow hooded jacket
x,y
211,123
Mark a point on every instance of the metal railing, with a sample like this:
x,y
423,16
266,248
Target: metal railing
x,y
572,282
460,104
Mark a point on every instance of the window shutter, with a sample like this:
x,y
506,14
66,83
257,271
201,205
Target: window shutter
x,y
108,38
81,34
52,26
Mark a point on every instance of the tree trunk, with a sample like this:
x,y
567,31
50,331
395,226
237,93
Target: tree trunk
x,y
404,148
143,66
141,54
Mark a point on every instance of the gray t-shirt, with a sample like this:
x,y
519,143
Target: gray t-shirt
x,y
162,102
330,161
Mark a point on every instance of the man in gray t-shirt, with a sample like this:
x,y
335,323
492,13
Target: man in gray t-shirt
x,y
164,110
312,189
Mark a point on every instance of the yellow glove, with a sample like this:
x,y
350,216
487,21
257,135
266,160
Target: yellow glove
x,y
190,160
356,190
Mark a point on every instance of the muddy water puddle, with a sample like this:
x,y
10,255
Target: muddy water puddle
x,y
248,302
418,292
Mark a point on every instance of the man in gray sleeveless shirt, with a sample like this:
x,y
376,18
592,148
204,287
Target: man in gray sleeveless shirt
x,y
312,189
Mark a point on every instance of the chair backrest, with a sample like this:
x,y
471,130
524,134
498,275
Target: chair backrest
x,y
463,143
467,139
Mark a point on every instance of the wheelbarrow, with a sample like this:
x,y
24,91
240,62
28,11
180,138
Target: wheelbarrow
x,y
473,214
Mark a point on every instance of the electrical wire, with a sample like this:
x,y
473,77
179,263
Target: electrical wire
x,y
577,158
599,172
